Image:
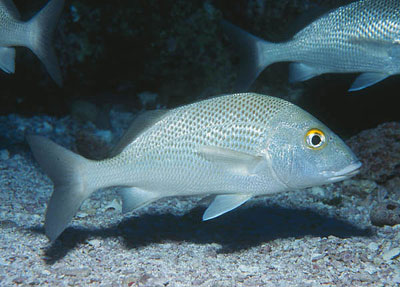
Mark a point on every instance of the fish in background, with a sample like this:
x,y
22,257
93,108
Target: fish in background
x,y
235,146
35,34
363,36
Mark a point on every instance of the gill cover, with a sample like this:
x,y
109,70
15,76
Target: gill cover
x,y
302,150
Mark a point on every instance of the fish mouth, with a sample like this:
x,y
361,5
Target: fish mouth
x,y
347,172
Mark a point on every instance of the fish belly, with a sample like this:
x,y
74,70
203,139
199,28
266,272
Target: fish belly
x,y
192,177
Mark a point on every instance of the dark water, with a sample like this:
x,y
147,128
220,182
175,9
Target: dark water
x,y
110,51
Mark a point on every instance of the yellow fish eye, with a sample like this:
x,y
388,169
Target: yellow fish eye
x,y
315,139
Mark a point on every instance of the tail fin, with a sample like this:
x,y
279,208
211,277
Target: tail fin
x,y
67,171
256,54
41,29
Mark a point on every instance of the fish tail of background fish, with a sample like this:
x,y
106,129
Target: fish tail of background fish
x,y
69,173
41,28
255,54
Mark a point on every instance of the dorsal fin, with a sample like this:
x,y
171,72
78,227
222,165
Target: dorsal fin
x,y
10,7
141,123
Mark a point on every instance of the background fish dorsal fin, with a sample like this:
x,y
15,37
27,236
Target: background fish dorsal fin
x,y
313,14
10,7
140,124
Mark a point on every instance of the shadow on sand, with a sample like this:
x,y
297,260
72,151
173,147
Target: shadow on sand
x,y
237,230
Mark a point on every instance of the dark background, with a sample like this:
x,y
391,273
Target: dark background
x,y
111,51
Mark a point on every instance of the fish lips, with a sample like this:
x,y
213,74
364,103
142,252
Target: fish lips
x,y
347,172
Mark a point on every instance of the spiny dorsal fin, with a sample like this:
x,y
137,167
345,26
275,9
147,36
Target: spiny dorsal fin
x,y
10,7
140,124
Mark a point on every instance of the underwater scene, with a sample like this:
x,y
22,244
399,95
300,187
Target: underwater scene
x,y
199,143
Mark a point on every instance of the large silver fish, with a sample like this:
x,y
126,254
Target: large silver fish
x,y
363,36
235,146
34,34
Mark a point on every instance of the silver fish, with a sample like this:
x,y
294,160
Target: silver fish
x,y
363,36
34,34
234,146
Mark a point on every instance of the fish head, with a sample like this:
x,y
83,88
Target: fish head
x,y
304,152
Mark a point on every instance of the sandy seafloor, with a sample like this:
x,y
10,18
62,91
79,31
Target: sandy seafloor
x,y
299,238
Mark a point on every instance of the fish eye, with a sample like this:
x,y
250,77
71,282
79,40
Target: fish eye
x,y
315,139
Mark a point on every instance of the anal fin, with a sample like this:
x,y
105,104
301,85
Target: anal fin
x,y
7,59
224,203
299,72
134,198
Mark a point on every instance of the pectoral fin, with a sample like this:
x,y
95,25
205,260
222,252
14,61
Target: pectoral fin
x,y
133,198
299,72
395,50
224,203
366,80
237,162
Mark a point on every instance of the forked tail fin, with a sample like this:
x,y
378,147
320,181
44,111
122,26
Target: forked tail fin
x,y
41,28
255,55
68,171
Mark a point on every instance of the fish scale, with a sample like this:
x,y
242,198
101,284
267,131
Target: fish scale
x,y
363,36
344,30
196,125
234,147
212,116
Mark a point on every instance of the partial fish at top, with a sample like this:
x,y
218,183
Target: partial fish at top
x,y
34,34
235,146
363,36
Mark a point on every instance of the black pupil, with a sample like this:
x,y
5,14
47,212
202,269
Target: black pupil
x,y
316,140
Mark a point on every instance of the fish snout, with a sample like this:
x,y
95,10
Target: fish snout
x,y
347,172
